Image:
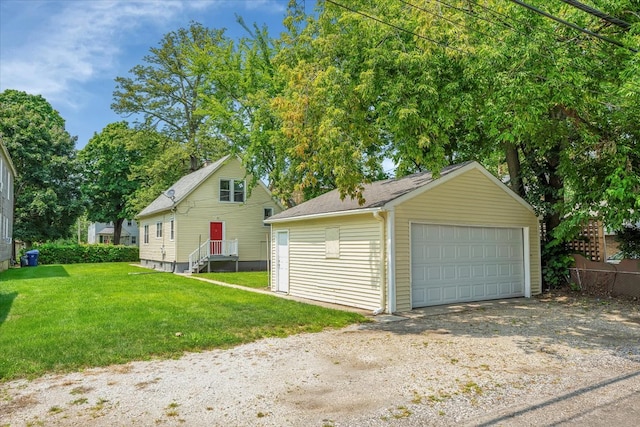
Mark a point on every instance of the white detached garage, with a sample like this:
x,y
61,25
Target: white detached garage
x,y
415,242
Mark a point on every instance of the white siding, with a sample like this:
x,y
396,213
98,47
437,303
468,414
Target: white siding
x,y
353,278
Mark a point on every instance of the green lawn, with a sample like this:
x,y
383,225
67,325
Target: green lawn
x,y
60,318
250,279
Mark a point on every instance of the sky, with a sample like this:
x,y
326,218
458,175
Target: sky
x,y
71,51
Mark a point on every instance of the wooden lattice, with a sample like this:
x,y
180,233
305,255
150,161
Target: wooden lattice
x,y
590,242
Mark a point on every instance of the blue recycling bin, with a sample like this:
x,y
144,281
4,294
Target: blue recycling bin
x,y
32,258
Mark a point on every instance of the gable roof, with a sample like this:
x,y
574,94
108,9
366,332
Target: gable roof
x,y
182,188
383,194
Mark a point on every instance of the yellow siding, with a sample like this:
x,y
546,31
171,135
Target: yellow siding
x,y
158,248
242,221
468,199
353,279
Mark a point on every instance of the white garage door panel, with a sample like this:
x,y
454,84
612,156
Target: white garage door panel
x,y
457,264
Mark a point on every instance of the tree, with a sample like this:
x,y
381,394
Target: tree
x,y
107,186
436,83
47,196
167,94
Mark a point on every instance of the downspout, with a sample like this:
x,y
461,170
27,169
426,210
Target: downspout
x,y
383,252
269,263
175,235
391,259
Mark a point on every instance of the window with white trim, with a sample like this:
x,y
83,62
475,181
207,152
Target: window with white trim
x,y
158,230
232,190
332,242
171,230
146,234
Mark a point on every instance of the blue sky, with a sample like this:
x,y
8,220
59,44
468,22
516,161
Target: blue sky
x,y
71,51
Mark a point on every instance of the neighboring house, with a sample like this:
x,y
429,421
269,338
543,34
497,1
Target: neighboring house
x,y
102,232
415,242
7,178
208,220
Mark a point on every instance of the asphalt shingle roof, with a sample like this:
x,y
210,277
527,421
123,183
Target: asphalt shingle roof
x,y
182,188
376,194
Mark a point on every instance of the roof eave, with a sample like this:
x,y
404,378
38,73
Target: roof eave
x,y
324,215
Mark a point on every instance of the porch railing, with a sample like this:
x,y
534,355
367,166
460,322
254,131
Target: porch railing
x,y
212,248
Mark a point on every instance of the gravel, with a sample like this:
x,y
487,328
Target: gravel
x,y
554,360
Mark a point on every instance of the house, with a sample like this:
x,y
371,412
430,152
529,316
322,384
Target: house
x,y
416,241
7,178
102,232
208,220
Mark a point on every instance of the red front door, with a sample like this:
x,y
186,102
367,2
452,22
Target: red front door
x,y
215,235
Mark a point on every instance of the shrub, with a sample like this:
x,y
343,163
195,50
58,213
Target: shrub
x,y
556,261
629,238
53,253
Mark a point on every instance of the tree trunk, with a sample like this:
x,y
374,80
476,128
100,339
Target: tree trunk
x,y
117,230
553,196
513,164
194,163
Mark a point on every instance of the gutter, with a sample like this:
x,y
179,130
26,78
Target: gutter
x,y
323,215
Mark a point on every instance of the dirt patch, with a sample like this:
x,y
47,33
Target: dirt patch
x,y
561,359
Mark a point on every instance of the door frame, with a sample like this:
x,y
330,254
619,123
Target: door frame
x,y
280,286
223,232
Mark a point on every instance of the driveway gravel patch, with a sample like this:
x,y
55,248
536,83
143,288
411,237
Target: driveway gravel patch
x,y
554,360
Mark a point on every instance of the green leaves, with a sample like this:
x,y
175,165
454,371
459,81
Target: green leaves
x,y
47,197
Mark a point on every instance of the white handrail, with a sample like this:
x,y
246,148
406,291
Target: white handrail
x,y
212,247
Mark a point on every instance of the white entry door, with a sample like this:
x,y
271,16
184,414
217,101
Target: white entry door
x,y
282,261
451,264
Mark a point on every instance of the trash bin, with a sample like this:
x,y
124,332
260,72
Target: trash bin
x,y
24,261
32,257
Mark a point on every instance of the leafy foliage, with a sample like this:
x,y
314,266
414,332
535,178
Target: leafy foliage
x,y
107,185
47,195
52,253
168,95
629,238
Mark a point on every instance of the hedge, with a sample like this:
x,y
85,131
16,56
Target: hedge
x,y
51,253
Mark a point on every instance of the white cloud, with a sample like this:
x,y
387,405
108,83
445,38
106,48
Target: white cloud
x,y
81,41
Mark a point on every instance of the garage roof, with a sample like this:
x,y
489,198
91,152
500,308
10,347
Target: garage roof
x,y
376,194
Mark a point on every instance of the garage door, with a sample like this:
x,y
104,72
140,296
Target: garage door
x,y
457,264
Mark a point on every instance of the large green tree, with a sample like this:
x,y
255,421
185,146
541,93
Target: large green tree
x,y
107,162
428,84
167,95
47,196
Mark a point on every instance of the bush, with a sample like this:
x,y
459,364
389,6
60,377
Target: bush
x,y
53,253
556,262
629,238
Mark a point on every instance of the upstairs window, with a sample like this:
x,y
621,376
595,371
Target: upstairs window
x,y
232,190
268,212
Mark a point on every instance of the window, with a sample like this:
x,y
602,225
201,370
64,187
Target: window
x,y
146,233
232,190
172,228
332,242
268,212
129,223
158,229
134,240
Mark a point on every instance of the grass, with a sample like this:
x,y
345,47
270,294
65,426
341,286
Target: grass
x,y
250,279
63,318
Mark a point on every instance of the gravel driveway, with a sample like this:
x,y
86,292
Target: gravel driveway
x,y
548,361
